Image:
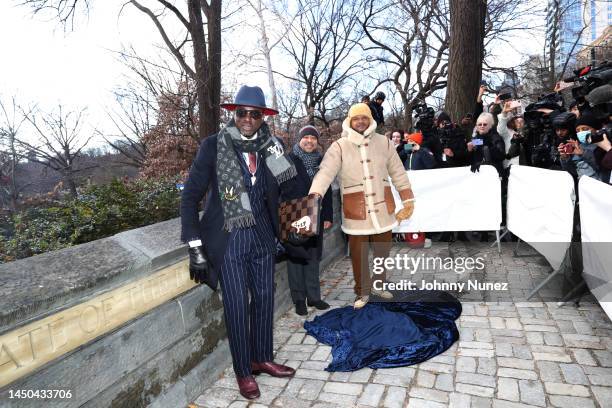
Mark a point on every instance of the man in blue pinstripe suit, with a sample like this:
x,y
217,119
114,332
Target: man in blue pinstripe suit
x,y
240,170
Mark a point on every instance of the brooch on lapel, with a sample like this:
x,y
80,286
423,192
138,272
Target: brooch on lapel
x,y
229,194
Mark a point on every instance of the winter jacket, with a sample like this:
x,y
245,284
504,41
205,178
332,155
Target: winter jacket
x,y
377,113
298,187
507,134
584,164
422,159
492,151
364,163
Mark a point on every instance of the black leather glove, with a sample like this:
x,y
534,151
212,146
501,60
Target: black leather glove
x,y
515,147
198,264
475,167
513,151
297,239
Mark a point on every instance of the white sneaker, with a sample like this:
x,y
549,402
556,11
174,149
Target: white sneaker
x,y
360,302
385,294
427,243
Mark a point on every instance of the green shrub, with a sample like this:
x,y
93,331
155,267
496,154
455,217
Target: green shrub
x,y
100,211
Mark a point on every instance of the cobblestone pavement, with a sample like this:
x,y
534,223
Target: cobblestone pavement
x,y
510,353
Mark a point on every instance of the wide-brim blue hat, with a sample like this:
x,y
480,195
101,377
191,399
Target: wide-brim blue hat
x,y
251,96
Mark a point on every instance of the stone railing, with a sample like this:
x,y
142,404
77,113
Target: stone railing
x,y
117,323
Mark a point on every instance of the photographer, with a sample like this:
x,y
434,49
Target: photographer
x,y
509,128
540,144
452,142
564,125
580,154
424,124
487,146
377,109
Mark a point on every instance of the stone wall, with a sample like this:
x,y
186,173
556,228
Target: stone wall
x,y
117,322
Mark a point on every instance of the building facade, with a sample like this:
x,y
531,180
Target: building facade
x,y
573,25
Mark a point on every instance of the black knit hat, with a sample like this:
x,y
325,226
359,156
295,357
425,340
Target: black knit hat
x,y
589,119
308,130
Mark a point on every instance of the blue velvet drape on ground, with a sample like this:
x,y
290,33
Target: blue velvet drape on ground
x,y
414,327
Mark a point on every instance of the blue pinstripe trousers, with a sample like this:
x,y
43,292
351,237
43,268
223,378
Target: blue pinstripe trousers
x,y
248,268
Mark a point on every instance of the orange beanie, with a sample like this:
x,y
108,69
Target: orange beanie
x,y
416,138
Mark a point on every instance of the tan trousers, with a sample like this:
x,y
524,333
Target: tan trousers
x,y
359,248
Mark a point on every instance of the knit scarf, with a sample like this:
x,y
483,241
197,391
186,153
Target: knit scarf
x,y
311,160
234,197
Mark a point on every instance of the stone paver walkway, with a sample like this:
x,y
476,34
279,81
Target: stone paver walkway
x,y
510,353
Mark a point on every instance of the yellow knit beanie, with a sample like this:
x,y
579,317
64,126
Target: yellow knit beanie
x,y
360,109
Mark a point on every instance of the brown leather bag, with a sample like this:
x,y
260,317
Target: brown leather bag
x,y
299,215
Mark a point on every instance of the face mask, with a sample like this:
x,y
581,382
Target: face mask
x,y
582,136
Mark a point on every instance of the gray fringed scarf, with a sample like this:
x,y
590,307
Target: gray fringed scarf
x,y
311,160
234,197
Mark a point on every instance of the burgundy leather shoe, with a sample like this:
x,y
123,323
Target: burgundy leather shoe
x,y
248,387
270,367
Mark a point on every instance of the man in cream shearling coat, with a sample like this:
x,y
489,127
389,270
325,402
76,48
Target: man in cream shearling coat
x,y
365,160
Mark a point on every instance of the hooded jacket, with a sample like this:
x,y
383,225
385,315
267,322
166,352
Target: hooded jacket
x,y
364,163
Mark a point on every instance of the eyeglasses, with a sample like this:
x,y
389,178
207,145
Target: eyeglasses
x,y
482,124
254,114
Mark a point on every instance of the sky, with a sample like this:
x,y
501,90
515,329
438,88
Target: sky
x,y
45,64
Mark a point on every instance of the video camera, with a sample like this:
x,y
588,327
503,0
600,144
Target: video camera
x,y
588,78
423,116
539,134
598,136
448,135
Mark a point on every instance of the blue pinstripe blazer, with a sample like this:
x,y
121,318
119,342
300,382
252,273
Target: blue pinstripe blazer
x,y
203,181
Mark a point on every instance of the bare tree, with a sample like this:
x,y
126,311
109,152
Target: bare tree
x,y
65,10
322,41
203,27
274,22
153,85
59,143
132,120
206,47
289,108
10,126
412,37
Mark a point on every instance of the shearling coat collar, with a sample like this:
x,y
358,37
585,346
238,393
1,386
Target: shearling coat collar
x,y
354,136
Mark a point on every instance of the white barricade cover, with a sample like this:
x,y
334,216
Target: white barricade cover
x,y
540,210
453,199
596,232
